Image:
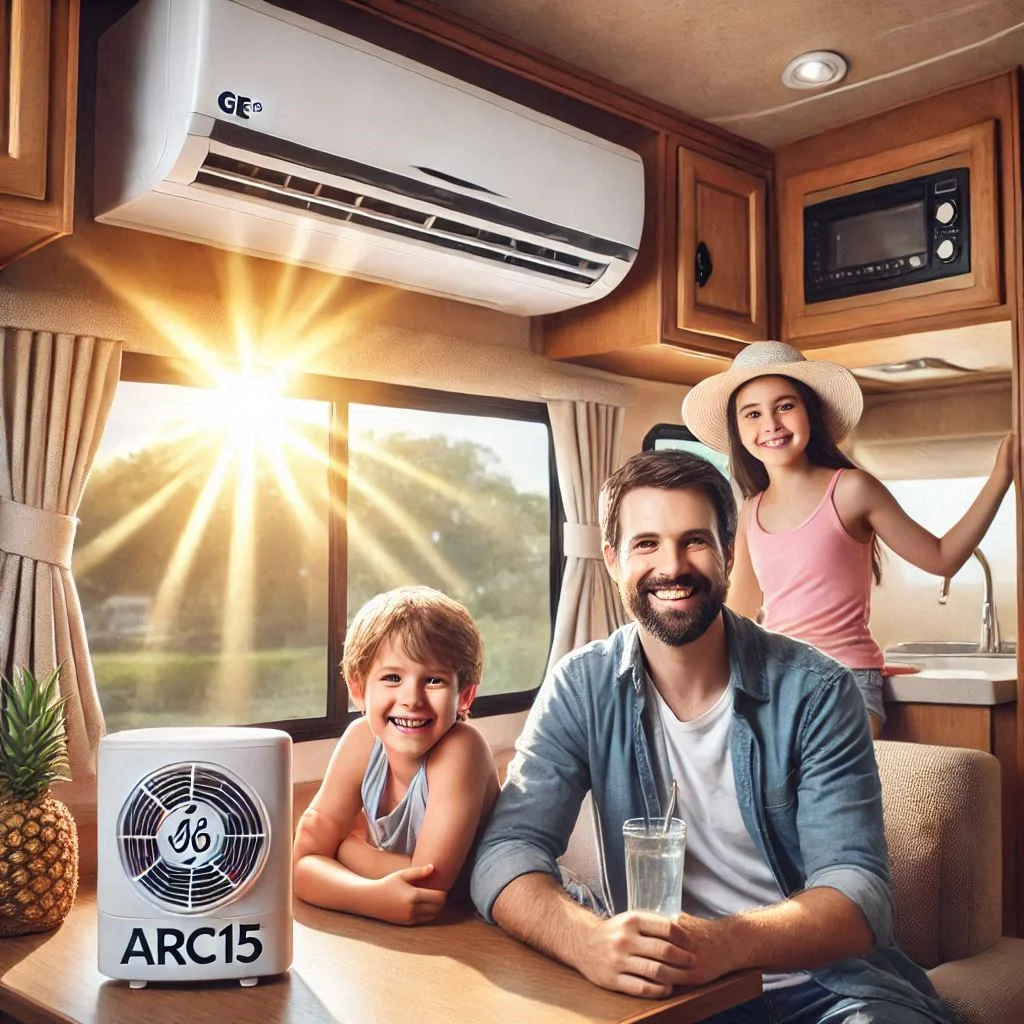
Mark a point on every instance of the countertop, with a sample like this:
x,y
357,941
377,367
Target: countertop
x,y
347,969
969,686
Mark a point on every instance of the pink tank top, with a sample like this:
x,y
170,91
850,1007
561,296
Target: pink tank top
x,y
816,582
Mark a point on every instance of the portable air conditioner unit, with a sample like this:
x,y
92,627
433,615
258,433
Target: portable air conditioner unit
x,y
245,126
194,866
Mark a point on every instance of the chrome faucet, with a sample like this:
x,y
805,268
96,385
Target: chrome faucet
x,y
988,642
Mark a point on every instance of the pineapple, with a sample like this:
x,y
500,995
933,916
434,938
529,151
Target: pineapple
x,y
38,838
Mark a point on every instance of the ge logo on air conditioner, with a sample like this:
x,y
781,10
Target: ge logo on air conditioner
x,y
240,106
192,836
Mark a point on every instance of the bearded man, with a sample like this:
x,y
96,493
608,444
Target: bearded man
x,y
768,739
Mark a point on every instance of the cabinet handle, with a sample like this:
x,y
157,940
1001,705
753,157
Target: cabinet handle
x,y
703,264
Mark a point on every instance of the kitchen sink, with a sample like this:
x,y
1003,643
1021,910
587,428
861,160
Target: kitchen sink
x,y
952,672
988,665
951,658
916,649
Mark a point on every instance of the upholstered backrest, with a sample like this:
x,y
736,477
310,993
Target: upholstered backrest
x,y
942,824
582,857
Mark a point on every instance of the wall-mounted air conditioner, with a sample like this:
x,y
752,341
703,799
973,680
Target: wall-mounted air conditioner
x,y
194,873
239,124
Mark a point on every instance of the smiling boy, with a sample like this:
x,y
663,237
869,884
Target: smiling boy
x,y
409,782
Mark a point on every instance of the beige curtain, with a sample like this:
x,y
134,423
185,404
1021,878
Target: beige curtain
x,y
55,394
587,438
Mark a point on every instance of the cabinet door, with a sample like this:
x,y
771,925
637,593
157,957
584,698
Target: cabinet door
x,y
38,106
24,96
720,265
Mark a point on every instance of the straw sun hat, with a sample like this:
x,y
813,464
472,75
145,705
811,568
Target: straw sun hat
x,y
705,407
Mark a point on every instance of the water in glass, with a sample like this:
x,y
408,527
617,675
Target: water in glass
x,y
654,865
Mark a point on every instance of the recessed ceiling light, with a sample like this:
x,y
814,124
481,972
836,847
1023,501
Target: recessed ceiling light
x,y
814,70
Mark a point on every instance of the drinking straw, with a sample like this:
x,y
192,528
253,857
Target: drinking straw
x,y
673,797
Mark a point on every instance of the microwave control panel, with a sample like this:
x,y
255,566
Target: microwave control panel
x,y
888,237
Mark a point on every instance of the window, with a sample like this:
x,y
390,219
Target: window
x,y
461,502
672,437
906,606
229,533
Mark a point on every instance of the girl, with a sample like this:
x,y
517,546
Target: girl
x,y
807,539
409,784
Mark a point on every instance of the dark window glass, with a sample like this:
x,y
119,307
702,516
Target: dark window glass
x,y
672,437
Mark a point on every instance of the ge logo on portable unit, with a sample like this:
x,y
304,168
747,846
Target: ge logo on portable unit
x,y
194,857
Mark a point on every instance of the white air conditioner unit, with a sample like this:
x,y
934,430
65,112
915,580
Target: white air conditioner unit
x,y
194,854
245,126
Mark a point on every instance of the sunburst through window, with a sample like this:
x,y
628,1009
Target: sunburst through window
x,y
228,533
202,555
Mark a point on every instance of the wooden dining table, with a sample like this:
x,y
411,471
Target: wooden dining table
x,y
345,969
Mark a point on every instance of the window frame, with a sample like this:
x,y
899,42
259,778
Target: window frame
x,y
340,392
678,432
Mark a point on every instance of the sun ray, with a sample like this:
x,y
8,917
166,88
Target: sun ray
x,y
299,444
235,668
168,597
400,517
387,569
308,342
163,317
104,544
243,288
189,445
296,307
311,523
431,481
310,314
183,435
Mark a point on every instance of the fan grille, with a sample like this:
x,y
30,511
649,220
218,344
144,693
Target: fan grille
x,y
192,837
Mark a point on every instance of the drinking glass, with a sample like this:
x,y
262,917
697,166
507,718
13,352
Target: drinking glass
x,y
654,864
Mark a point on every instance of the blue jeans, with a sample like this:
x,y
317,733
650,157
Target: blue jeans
x,y
869,681
809,1003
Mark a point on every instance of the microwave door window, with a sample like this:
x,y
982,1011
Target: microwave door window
x,y
867,238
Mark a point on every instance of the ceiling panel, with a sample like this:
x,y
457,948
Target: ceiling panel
x,y
722,61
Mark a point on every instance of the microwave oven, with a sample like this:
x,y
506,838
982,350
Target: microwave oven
x,y
888,237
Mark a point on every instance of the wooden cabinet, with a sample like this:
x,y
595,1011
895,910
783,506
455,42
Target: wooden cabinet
x,y
678,316
992,728
38,90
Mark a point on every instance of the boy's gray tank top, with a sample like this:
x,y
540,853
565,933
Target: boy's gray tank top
x,y
395,832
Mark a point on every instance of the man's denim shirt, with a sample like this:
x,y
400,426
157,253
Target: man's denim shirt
x,y
806,782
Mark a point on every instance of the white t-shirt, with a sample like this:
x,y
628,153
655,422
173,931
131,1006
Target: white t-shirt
x,y
723,872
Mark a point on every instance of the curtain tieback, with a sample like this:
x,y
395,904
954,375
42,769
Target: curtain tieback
x,y
37,533
581,540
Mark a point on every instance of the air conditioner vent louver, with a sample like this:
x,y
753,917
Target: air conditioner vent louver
x,y
226,174
192,837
